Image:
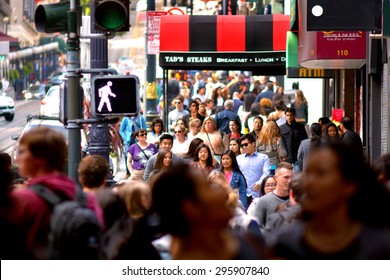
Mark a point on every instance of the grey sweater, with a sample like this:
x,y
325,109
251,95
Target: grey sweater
x,y
266,206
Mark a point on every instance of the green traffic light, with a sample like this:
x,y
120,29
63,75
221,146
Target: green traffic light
x,y
51,18
110,15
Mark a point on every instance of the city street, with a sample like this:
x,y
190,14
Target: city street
x,y
7,129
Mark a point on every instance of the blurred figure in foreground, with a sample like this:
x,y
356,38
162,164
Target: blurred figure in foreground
x,y
41,158
196,214
241,222
342,202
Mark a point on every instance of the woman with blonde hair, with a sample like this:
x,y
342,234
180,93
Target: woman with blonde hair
x,y
301,107
270,143
241,221
137,197
181,142
217,140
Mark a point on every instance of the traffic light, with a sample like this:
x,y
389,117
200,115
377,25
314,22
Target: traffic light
x,y
51,18
112,15
115,95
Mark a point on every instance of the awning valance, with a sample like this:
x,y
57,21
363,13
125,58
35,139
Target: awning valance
x,y
256,43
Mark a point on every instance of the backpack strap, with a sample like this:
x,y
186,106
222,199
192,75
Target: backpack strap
x,y
46,194
53,199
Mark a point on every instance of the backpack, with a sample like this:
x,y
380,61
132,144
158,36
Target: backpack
x,y
74,229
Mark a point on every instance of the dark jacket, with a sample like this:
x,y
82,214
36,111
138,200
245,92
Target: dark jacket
x,y
350,138
223,118
292,136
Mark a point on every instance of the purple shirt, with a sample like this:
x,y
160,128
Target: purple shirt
x,y
140,159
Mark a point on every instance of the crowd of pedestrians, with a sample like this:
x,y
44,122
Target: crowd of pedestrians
x,y
207,186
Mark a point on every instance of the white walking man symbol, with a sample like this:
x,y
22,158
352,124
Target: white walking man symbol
x,y
104,93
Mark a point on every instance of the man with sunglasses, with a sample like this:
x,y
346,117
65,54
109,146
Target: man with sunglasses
x,y
178,112
253,165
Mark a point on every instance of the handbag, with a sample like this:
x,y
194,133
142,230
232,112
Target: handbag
x,y
278,150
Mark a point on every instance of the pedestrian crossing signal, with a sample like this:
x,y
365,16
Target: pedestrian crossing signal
x,y
115,95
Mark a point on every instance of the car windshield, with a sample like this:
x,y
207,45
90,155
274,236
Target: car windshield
x,y
35,89
53,92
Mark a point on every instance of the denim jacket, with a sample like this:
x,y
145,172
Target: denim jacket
x,y
238,182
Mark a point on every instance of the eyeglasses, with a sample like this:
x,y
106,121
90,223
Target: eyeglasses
x,y
179,131
245,145
271,185
142,134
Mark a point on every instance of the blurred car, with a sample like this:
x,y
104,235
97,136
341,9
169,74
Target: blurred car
x,y
7,107
51,122
50,104
35,92
56,78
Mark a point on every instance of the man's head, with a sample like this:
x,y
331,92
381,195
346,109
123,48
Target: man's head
x,y
166,142
229,104
241,84
257,123
283,175
209,103
41,150
247,144
290,115
201,90
270,86
179,100
93,171
346,124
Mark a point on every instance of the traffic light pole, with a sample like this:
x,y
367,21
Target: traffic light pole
x,y
74,99
99,136
151,87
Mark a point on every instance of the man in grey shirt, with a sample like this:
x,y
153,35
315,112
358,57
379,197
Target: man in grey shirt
x,y
268,203
166,143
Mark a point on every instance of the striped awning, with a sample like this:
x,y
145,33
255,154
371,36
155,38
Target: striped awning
x,y
224,42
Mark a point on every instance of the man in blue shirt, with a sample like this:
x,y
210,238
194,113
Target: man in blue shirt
x,y
267,93
224,117
253,165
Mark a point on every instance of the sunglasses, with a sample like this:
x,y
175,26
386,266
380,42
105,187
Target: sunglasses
x,y
142,134
245,145
179,131
177,102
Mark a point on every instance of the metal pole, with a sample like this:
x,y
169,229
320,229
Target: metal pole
x,y
99,137
151,87
74,98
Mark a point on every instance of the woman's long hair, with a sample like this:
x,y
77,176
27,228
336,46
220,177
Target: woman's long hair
x,y
269,134
300,98
209,160
316,132
157,121
193,147
235,166
160,160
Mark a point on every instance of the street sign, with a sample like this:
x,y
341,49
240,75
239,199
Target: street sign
x,y
115,95
154,19
153,43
